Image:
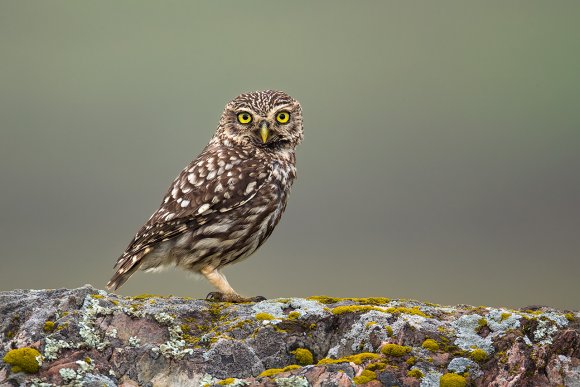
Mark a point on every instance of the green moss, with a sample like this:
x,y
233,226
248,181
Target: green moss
x,y
312,326
145,296
502,357
23,360
359,358
115,302
365,308
325,299
570,316
452,380
370,324
303,356
395,350
227,381
389,330
481,324
378,366
97,296
412,360
10,334
355,309
403,310
365,377
60,327
264,316
365,300
415,373
48,326
275,371
431,345
190,339
293,315
505,316
478,355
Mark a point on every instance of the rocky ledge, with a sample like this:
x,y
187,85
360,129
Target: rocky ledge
x,y
89,337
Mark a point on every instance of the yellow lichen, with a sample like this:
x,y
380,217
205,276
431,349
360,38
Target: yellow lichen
x,y
395,350
312,326
23,360
370,324
365,377
97,296
48,326
481,324
293,315
227,381
505,316
569,316
452,380
303,356
431,345
478,355
356,359
275,371
264,316
412,360
389,330
415,373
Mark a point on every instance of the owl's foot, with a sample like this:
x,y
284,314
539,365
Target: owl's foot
x,y
232,297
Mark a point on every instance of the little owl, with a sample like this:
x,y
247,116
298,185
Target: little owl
x,y
227,201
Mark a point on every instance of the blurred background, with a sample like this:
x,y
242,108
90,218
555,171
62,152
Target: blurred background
x,y
441,157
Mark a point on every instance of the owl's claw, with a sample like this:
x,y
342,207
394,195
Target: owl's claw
x,y
231,297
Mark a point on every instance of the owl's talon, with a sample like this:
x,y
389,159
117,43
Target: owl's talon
x,y
214,296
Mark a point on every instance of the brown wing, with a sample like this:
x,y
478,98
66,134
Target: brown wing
x,y
218,181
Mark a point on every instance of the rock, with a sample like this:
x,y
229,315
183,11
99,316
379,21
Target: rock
x,y
89,337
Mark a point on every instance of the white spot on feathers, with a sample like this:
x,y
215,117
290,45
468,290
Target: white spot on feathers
x,y
185,203
203,208
250,187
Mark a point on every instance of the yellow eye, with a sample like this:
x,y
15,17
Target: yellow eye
x,y
244,118
282,117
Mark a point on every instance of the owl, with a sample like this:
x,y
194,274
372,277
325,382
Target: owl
x,y
227,201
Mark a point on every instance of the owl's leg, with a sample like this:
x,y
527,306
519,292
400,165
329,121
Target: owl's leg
x,y
226,292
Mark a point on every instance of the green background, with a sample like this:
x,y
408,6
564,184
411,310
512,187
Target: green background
x,y
441,157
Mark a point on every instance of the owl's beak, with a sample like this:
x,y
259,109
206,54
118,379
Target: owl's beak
x,y
264,131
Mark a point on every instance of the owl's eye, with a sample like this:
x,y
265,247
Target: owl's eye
x,y
244,118
282,117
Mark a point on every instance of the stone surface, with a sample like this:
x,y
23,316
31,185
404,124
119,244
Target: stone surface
x,y
92,338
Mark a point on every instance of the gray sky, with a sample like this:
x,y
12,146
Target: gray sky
x,y
441,156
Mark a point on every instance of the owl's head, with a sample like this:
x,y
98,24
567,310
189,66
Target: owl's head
x,y
266,119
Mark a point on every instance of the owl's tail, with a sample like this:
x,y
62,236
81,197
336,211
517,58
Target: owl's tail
x,y
125,267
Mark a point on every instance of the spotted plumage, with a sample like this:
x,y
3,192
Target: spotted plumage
x,y
228,200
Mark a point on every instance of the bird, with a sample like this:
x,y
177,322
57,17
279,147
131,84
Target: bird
x,y
224,205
